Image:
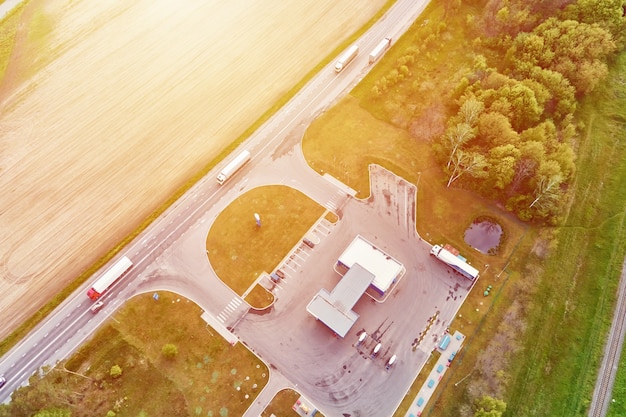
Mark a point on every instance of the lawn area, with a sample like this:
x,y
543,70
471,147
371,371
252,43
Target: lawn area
x,y
239,250
207,376
259,297
572,309
282,403
617,408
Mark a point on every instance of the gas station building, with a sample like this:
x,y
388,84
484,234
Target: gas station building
x,y
366,267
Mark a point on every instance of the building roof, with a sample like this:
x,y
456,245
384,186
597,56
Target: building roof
x,y
384,267
334,309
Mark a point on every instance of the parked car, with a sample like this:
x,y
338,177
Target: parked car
x,y
274,277
308,242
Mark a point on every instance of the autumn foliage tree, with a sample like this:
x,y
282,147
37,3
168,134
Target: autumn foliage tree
x,y
512,137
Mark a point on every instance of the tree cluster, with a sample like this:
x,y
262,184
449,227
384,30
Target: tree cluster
x,y
489,407
511,139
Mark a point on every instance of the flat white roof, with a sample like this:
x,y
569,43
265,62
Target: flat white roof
x,y
384,267
334,309
322,308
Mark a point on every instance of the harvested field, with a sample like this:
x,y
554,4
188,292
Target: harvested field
x,y
108,107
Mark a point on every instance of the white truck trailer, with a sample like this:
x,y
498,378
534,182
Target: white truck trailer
x,y
346,58
233,166
457,263
109,277
379,50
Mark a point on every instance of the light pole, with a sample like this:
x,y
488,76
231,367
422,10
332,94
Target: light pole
x,y
463,379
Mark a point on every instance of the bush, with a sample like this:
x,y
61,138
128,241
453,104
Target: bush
x,y
116,371
169,351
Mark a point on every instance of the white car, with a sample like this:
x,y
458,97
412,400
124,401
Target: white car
x,y
97,307
2,381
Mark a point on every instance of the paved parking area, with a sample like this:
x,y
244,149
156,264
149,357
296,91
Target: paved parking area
x,y
341,376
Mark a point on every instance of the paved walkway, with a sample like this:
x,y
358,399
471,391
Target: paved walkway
x,y
277,382
448,353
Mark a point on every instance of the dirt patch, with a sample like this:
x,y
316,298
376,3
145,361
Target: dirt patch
x,y
128,101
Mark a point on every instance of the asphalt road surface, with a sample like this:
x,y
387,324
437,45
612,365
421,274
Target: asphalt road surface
x,y
170,254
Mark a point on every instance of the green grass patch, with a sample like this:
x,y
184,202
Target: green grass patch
x,y
281,404
240,251
572,313
346,139
617,407
331,217
259,297
207,373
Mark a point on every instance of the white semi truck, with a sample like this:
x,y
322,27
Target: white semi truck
x,y
233,166
457,263
379,50
346,58
109,277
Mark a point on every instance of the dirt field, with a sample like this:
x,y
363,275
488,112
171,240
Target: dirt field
x,y
108,107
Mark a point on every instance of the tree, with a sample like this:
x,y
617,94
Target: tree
x,y
494,129
471,163
531,154
487,406
608,14
169,351
519,103
544,133
562,100
564,155
116,371
470,110
502,164
549,179
577,50
455,137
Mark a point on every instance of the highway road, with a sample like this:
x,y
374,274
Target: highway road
x,y
180,232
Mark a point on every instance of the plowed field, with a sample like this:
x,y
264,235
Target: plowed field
x,y
107,107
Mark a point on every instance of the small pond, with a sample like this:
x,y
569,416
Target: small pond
x,y
484,234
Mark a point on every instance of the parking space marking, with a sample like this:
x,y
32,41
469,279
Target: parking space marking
x,y
290,267
299,255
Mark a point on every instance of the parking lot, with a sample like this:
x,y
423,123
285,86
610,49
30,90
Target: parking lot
x,y
341,375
